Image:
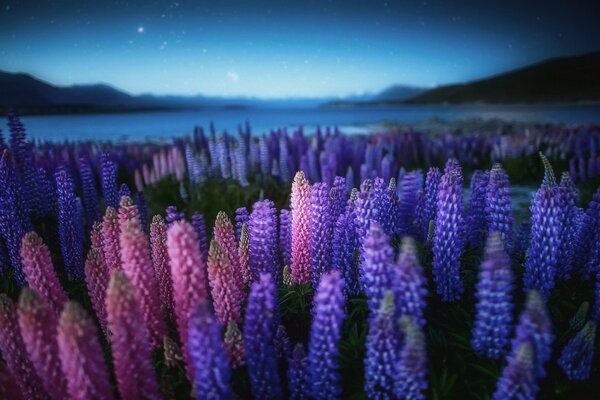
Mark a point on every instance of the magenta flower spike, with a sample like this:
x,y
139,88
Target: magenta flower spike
x,y
15,354
110,239
300,205
160,260
39,271
227,298
224,233
38,323
130,343
188,273
96,281
81,356
137,264
8,384
128,211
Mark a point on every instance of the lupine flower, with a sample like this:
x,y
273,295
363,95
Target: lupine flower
x,y
340,196
546,221
140,202
108,172
137,262
81,356
427,207
285,236
576,358
298,374
223,233
199,224
123,191
519,380
173,215
130,343
325,333
344,255
587,241
188,273
110,239
14,352
321,211
8,384
301,220
476,217
70,229
244,257
227,298
234,345
47,193
535,327
523,240
569,229
377,272
160,260
493,320
259,332
498,206
128,212
409,284
282,343
212,370
90,194
383,349
448,241
38,268
96,281
241,218
262,228
412,366
408,205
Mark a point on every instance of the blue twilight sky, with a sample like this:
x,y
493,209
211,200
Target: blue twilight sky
x,y
286,48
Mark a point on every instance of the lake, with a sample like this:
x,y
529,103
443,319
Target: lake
x,y
167,124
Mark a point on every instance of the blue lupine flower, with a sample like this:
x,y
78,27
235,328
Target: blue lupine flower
x,y
262,228
344,255
576,358
411,381
518,380
427,208
70,228
377,272
108,174
298,376
90,194
476,217
321,230
569,197
409,284
498,208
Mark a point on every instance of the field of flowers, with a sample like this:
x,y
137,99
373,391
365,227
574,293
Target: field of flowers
x,y
301,265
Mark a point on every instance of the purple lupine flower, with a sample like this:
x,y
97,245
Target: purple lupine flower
x,y
108,172
285,236
281,341
70,229
344,256
241,218
409,283
47,193
160,261
130,342
518,380
259,332
341,196
498,211
448,240
284,170
123,191
476,216
90,194
321,230
38,323
427,207
411,372
199,224
364,210
569,197
140,202
383,350
172,215
96,281
523,240
14,352
535,327
588,238
546,221
212,370
409,187
262,228
325,334
298,374
377,272
81,356
301,220
493,320
576,358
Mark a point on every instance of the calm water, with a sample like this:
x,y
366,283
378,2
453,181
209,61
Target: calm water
x,y
164,125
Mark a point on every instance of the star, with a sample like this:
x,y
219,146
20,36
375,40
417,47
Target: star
x,y
140,29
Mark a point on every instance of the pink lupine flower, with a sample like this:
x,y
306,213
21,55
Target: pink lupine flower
x,y
137,265
8,384
96,281
110,239
130,343
81,356
160,260
244,256
96,239
39,272
128,211
234,345
14,353
300,206
38,323
188,273
225,293
224,233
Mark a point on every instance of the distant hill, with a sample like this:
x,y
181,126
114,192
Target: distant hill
x,y
398,92
566,79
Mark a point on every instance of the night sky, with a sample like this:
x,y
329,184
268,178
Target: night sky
x,y
285,48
